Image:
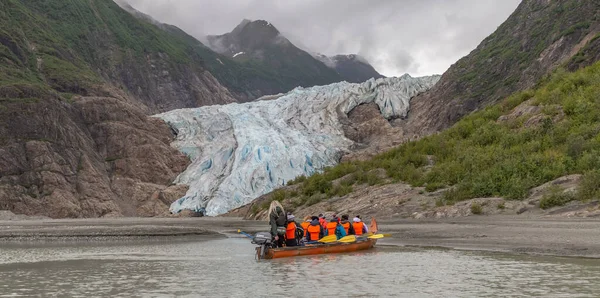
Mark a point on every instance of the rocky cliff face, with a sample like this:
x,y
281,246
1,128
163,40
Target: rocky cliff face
x,y
352,68
94,157
75,92
537,38
241,151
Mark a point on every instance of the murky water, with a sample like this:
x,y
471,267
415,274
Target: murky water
x,y
226,268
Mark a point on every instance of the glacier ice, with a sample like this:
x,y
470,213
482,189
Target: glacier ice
x,y
242,151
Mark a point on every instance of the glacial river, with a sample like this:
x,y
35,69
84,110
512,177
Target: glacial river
x,y
226,268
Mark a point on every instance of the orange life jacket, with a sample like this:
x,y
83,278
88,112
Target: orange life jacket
x,y
290,231
331,227
305,225
346,226
314,232
358,228
323,222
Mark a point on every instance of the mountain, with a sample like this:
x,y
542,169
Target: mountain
x,y
352,68
260,45
241,151
75,47
77,81
536,39
506,127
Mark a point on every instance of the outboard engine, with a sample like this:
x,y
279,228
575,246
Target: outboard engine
x,y
265,241
262,238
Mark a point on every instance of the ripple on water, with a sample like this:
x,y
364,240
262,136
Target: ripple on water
x,y
226,268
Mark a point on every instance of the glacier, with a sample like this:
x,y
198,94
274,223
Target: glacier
x,y
239,152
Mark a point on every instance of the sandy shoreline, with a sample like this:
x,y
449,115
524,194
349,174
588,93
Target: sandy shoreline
x,y
512,234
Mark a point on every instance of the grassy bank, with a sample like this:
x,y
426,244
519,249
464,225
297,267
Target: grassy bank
x,y
498,151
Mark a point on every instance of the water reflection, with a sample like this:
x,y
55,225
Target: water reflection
x,y
226,268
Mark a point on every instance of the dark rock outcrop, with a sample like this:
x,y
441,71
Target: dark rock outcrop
x,y
95,157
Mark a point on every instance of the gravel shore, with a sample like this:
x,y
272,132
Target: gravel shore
x,y
573,237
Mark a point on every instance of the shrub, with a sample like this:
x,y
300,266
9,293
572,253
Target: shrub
x,y
433,186
457,194
279,195
590,186
297,180
341,190
316,184
556,197
476,208
501,206
314,199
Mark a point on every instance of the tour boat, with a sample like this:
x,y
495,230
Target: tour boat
x,y
265,250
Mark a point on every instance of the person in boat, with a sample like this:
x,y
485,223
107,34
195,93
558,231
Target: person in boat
x,y
347,225
314,232
360,227
278,221
336,218
293,231
305,224
322,221
334,228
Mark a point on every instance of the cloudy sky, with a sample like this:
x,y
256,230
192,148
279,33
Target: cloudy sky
x,y
419,37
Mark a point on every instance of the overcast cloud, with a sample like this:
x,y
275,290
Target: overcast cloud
x,y
419,37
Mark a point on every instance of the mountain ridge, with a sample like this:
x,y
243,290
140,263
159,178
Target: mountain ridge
x,y
260,44
352,68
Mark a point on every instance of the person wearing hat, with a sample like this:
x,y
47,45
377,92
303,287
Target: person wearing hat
x,y
359,227
322,220
347,225
292,231
335,217
314,232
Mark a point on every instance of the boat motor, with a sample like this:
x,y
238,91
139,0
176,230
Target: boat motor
x,y
264,240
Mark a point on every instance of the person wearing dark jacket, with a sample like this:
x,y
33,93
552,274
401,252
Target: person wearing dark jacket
x,y
277,220
347,225
314,232
293,231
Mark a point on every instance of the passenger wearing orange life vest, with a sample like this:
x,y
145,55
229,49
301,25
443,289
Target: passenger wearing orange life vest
x,y
347,225
293,232
305,224
314,232
333,227
359,227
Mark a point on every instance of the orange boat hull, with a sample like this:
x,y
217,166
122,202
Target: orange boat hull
x,y
286,252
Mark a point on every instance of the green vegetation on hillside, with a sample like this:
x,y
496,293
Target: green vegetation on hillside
x,y
71,46
509,59
486,155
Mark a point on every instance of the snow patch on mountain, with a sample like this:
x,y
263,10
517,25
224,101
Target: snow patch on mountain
x,y
242,151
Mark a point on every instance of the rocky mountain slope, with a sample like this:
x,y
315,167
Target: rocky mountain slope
x,y
538,37
260,45
241,151
75,47
535,151
352,68
77,80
